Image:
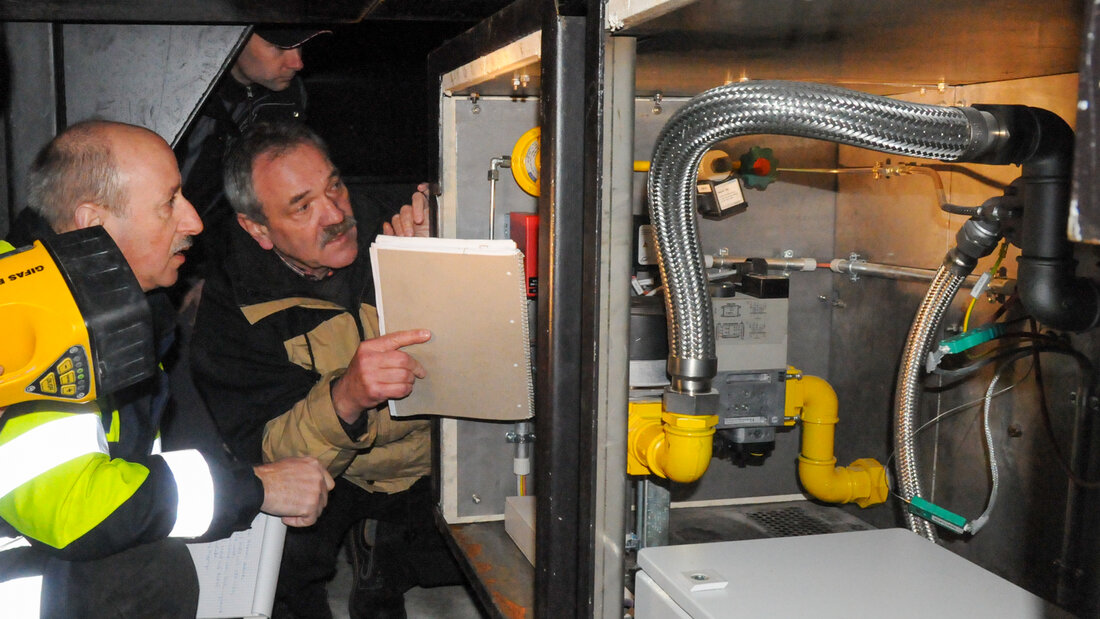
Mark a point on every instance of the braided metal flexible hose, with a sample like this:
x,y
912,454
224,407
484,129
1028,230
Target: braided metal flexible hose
x,y
767,107
805,110
907,394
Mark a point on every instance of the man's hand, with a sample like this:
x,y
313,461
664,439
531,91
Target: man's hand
x,y
294,488
413,219
379,371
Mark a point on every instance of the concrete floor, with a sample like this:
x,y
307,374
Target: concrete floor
x,y
434,603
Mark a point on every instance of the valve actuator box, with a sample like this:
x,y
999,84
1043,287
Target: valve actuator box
x,y
750,329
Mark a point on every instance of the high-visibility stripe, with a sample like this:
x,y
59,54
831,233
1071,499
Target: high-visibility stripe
x,y
22,597
116,428
194,490
11,543
155,450
51,444
5,247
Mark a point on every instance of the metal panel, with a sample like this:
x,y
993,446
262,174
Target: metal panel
x,y
491,131
166,72
483,469
566,387
896,221
617,167
478,460
1084,222
32,111
881,46
184,11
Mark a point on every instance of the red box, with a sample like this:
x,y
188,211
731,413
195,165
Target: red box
x,y
524,229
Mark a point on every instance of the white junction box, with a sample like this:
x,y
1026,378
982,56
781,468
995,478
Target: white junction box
x,y
876,573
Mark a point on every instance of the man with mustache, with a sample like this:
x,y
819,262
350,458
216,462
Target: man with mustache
x,y
92,513
287,356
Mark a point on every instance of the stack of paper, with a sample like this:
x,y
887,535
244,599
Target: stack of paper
x,y
471,295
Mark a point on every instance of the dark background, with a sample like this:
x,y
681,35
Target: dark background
x,y
371,98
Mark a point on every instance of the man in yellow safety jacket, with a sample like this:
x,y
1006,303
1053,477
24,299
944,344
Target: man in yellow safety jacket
x,y
92,515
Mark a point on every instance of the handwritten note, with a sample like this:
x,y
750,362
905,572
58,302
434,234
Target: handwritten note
x,y
237,575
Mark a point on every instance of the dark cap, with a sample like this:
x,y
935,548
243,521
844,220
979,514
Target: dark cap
x,y
288,38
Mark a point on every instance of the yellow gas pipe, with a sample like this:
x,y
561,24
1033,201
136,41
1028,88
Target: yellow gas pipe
x,y
668,444
863,482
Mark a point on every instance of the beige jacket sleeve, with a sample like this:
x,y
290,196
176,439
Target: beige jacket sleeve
x,y
312,428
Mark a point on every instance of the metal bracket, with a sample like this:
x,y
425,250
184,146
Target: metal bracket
x,y
852,258
515,437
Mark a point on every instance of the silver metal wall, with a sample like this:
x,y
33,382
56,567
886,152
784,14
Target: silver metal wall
x,y
154,76
793,215
31,110
897,221
484,456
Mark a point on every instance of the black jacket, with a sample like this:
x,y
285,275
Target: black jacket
x,y
229,111
267,345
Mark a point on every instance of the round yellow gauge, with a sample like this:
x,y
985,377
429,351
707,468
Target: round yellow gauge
x,y
525,161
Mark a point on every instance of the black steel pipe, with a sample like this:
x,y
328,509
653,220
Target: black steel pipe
x,y
1049,290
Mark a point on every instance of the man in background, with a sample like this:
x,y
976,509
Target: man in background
x,y
262,85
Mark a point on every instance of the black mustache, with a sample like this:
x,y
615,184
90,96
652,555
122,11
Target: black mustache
x,y
331,232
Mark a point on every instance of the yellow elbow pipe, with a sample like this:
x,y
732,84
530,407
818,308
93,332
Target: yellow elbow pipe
x,y
863,482
669,445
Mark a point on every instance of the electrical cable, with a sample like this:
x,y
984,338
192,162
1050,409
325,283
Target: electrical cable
x,y
977,524
997,354
955,209
947,413
1047,342
977,290
961,407
1082,396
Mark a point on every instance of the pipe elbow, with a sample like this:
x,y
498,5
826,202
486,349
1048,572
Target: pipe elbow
x,y
690,440
676,447
863,482
1055,297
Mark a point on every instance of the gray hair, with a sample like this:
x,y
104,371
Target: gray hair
x,y
75,167
261,139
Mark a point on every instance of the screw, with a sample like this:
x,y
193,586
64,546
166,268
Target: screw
x,y
475,498
700,577
788,253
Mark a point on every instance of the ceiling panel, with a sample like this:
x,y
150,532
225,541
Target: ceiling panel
x,y
882,46
245,11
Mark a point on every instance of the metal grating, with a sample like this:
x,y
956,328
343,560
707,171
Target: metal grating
x,y
789,522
